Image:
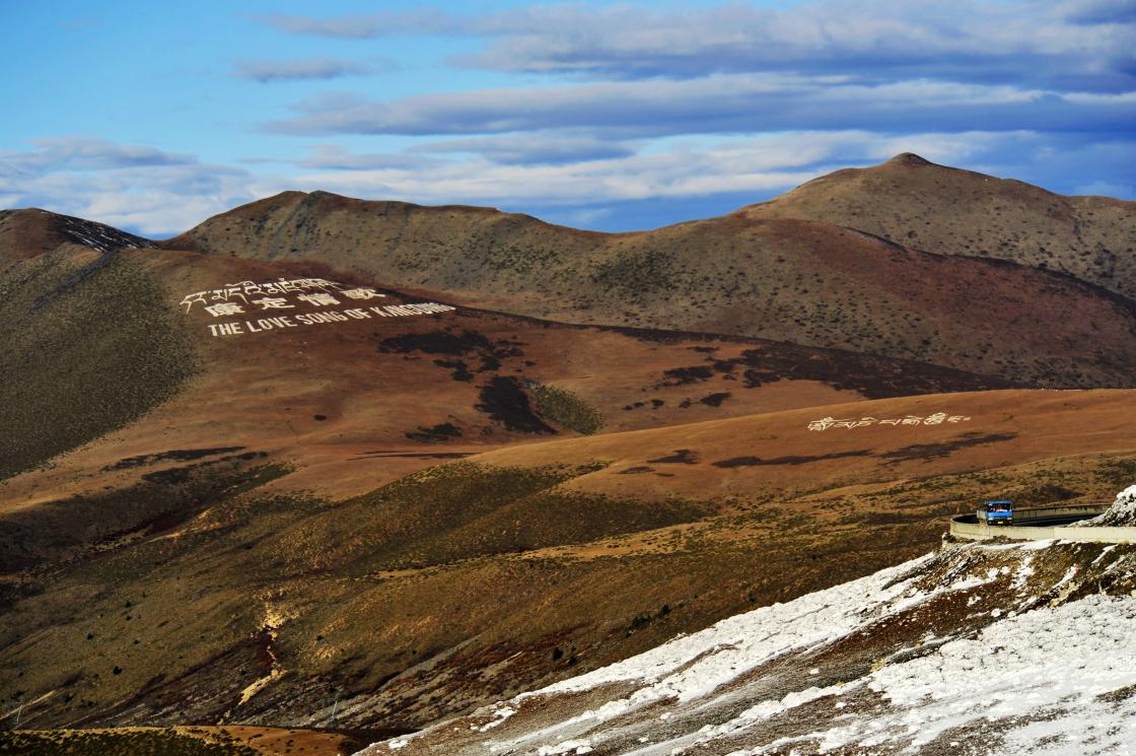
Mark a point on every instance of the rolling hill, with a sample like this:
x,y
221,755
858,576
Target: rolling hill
x,y
229,599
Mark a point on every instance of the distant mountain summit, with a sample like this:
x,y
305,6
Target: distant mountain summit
x,y
909,159
914,202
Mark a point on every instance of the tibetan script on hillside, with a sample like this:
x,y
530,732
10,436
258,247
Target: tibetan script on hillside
x,y
936,419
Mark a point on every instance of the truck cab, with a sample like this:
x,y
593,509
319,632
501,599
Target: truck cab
x,y
997,512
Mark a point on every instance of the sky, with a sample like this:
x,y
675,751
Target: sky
x,y
612,116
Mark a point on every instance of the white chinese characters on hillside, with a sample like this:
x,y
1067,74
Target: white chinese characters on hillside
x,y
288,303
936,419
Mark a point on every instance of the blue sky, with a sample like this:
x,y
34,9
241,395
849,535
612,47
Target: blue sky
x,y
614,116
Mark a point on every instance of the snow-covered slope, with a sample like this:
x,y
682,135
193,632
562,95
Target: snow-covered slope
x,y
974,649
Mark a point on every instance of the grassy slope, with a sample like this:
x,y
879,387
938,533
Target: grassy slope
x,y
87,346
798,677
184,741
356,404
474,580
122,743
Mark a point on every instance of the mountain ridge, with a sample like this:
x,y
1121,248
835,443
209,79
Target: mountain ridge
x,y
29,232
748,273
781,271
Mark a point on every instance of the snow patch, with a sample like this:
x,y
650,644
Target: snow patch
x,y
1122,511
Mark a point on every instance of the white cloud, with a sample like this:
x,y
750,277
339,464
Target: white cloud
x,y
348,27
140,188
547,146
724,103
85,154
297,69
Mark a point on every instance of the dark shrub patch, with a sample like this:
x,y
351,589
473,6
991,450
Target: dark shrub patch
x,y
565,408
683,375
946,448
505,401
459,368
789,460
174,455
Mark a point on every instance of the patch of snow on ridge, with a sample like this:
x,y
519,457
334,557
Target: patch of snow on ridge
x,y
499,715
97,236
692,666
1122,512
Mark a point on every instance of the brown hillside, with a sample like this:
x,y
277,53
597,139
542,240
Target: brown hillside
x,y
806,282
88,344
920,204
352,405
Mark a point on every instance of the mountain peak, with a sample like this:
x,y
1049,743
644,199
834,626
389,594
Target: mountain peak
x,y
908,159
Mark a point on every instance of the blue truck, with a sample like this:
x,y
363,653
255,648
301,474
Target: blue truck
x,y
997,512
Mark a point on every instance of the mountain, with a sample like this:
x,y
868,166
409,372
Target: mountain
x,y
948,211
223,585
326,463
806,281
